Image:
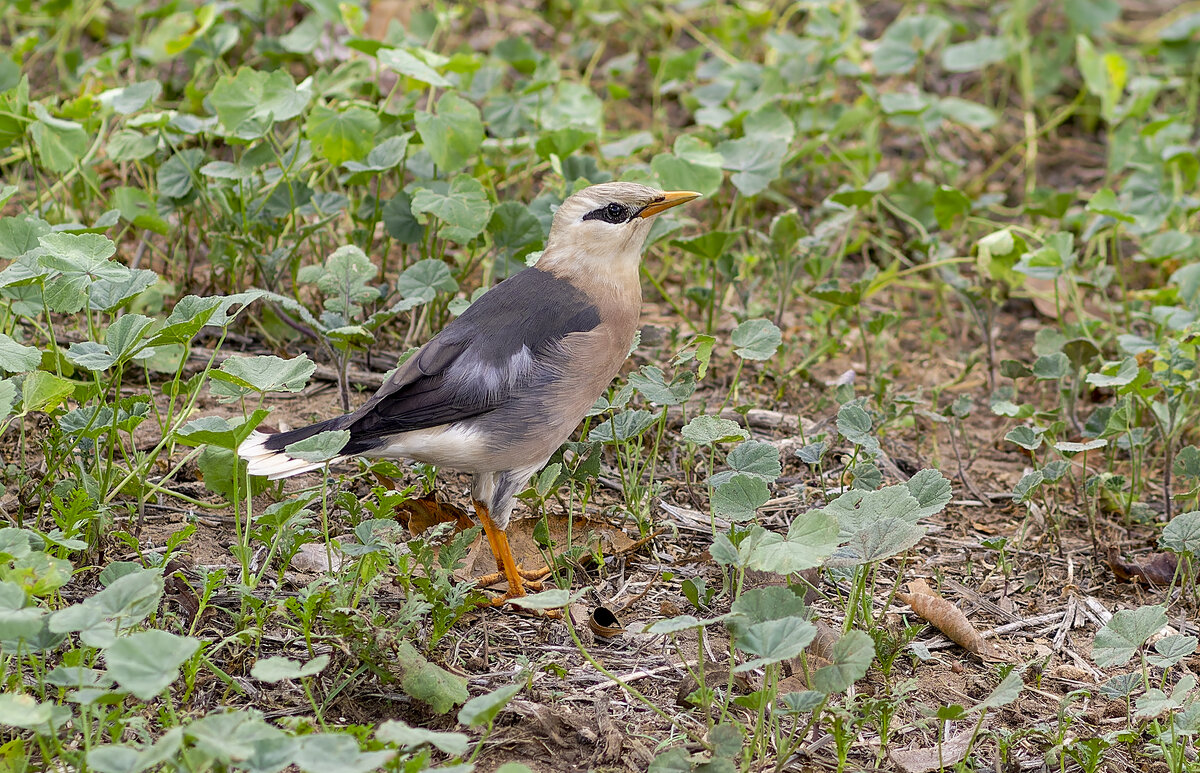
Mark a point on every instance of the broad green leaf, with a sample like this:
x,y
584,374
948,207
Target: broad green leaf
x,y
482,710
405,63
452,135
24,711
810,540
974,54
248,102
905,41
739,497
651,384
280,669
547,599
262,373
880,539
1029,438
131,98
399,221
8,396
1170,650
757,339
461,205
710,245
756,162
398,733
427,682
692,166
756,458
759,605
44,391
60,144
1182,534
774,641
179,174
425,279
932,491
341,136
386,155
854,424
710,430
17,358
1069,448
321,447
852,656
122,340
337,753
145,663
127,601
1125,633
1112,376
1005,693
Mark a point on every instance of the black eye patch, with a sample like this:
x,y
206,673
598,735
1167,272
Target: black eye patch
x,y
610,213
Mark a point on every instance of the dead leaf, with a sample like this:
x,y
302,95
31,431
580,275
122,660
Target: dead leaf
x,y
418,515
925,760
604,623
313,558
1157,569
947,618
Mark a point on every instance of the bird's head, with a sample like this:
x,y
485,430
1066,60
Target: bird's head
x,y
602,228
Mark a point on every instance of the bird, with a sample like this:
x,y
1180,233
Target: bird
x,y
502,386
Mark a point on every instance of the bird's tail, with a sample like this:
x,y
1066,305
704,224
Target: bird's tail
x,y
265,453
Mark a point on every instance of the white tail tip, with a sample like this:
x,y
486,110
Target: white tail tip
x,y
261,460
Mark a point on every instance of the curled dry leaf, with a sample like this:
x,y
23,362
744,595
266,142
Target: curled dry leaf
x,y
1157,569
947,618
924,760
604,623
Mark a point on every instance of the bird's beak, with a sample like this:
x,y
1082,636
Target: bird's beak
x,y
669,199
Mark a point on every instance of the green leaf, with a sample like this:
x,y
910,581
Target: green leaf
x,y
1104,202
461,205
710,430
384,156
854,424
1069,448
145,663
321,447
179,174
756,458
17,358
425,279
1182,534
852,656
398,733
905,40
651,384
974,54
482,710
932,491
427,682
1029,438
810,540
710,245
337,753
341,136
774,641
138,207
61,144
1125,633
280,669
739,497
126,601
692,166
547,599
756,162
452,135
263,373
44,391
8,396
405,63
1115,374
757,339
248,102
1005,693
399,221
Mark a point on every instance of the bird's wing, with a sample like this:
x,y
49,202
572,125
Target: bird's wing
x,y
506,341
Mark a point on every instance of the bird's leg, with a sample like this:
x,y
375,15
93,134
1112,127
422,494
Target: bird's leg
x,y
505,562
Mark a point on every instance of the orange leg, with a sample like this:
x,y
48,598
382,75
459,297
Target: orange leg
x,y
512,574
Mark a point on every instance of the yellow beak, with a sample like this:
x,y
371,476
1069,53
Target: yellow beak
x,y
669,199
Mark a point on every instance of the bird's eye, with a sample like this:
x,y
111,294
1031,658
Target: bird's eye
x,y
616,213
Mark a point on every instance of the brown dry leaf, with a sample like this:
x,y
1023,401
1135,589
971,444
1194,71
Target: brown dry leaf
x,y
947,618
1158,569
604,623
924,760
420,514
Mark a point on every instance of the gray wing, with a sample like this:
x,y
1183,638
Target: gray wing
x,y
504,343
